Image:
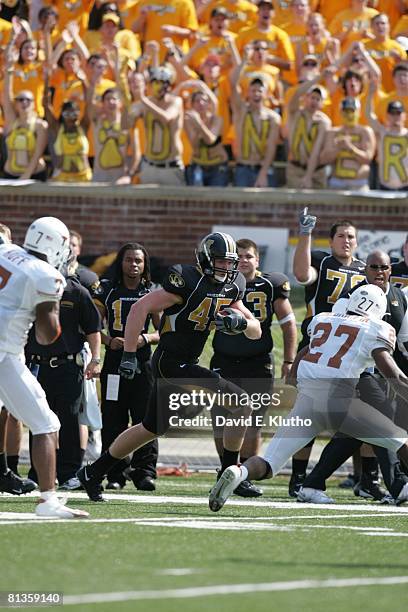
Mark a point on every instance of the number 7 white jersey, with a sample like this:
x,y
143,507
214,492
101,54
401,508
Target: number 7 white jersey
x,y
341,345
25,282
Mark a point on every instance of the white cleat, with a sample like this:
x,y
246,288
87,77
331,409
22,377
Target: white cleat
x,y
55,508
403,495
313,496
224,487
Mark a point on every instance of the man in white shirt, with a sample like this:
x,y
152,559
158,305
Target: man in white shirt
x,y
30,290
342,346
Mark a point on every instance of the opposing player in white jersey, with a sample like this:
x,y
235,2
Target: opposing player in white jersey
x,y
30,290
341,347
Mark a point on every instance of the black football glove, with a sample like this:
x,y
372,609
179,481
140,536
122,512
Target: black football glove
x,y
306,223
129,365
230,321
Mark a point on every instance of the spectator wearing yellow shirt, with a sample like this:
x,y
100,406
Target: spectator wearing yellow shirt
x,y
282,11
156,19
385,51
353,83
307,127
258,67
349,149
400,92
296,28
210,73
257,132
281,53
68,77
73,10
109,44
242,13
330,8
352,24
70,146
317,42
308,71
392,144
124,38
48,26
28,73
209,167
392,8
218,42
25,134
112,139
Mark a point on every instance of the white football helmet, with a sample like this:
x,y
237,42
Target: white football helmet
x,y
368,300
48,236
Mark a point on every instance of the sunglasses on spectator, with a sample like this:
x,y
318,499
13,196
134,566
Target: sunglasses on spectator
x,y
311,63
260,48
394,112
22,99
379,266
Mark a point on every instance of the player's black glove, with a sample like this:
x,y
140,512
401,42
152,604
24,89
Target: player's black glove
x,y
306,223
129,365
230,321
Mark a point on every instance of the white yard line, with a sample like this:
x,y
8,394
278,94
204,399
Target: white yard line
x,y
231,589
198,501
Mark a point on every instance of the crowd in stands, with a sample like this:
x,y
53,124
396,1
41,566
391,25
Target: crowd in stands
x,y
211,92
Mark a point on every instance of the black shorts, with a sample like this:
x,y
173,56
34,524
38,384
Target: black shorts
x,y
253,374
174,378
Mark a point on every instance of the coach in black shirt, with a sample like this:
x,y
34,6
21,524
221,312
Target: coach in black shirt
x,y
60,370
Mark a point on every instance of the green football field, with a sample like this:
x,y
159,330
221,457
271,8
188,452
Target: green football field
x,y
166,552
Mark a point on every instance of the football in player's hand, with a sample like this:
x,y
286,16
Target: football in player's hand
x,y
230,321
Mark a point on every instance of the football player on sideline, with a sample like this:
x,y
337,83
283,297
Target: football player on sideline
x,y
194,299
250,364
325,276
341,347
31,287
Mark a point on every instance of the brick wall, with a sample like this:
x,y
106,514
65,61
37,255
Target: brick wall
x,y
169,222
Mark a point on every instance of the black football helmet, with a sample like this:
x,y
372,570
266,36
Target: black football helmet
x,y
218,246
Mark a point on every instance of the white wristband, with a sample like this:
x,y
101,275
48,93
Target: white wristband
x,y
289,317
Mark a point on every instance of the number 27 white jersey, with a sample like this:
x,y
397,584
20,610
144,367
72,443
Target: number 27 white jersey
x,y
341,345
25,282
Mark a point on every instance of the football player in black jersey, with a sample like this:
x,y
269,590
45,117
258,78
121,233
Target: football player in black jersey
x,y
121,397
399,269
325,276
250,364
194,299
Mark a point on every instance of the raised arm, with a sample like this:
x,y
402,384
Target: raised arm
x,y
303,270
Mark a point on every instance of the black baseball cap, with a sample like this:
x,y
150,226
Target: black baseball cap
x,y
395,107
220,10
349,104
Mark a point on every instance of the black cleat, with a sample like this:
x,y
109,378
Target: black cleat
x,y
11,483
91,485
295,483
247,489
145,484
369,489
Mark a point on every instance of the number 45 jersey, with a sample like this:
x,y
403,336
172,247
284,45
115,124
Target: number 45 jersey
x,y
185,327
341,345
